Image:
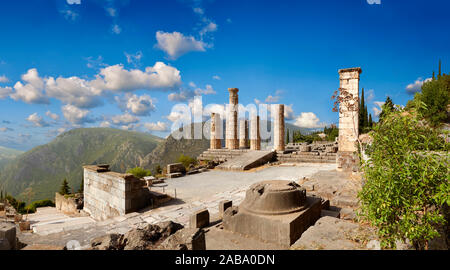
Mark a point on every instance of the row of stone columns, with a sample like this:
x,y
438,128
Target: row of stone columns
x,y
231,137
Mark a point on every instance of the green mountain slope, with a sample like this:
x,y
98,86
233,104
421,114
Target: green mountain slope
x,y
7,155
43,168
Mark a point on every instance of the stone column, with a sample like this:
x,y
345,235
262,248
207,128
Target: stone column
x,y
255,138
278,123
243,134
347,158
216,124
232,120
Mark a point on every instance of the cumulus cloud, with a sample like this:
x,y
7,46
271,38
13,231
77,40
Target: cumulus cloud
x,y
138,105
176,44
105,124
370,95
53,116
76,115
374,2
5,92
288,112
207,91
416,86
117,78
32,90
377,110
124,119
37,120
209,27
4,129
272,99
111,11
216,77
134,59
308,120
198,10
181,96
4,79
73,90
70,15
74,2
116,29
158,126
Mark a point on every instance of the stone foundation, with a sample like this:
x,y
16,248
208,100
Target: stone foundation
x,y
69,205
108,194
347,161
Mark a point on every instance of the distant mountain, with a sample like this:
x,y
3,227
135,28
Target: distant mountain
x,y
44,167
7,155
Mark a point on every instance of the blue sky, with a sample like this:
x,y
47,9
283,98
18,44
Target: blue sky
x,y
124,64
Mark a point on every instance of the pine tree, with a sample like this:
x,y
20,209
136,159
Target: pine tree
x,y
81,189
433,77
65,189
287,136
388,105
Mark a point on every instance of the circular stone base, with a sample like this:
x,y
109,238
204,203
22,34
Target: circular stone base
x,y
274,197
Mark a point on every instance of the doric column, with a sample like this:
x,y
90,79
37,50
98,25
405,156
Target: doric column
x,y
232,120
278,133
255,138
243,134
348,120
216,124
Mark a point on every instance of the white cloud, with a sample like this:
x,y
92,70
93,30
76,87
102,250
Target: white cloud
x,y
176,115
134,59
76,115
308,120
53,116
32,91
207,91
182,95
4,129
69,14
131,126
73,90
372,2
37,120
158,126
105,124
124,119
377,111
176,44
257,101
416,86
370,95
138,105
72,2
272,99
209,27
4,79
5,92
198,10
116,29
216,77
214,108
288,112
111,11
116,78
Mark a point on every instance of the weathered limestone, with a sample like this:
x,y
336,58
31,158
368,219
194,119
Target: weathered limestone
x,y
255,137
243,134
216,131
348,121
232,120
69,205
278,121
224,205
8,237
199,219
274,211
108,194
176,168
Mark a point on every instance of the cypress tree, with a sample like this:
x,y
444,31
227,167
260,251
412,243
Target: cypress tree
x,y
362,113
287,136
439,74
370,121
65,189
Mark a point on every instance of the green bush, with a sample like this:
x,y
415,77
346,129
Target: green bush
x,y
139,172
187,160
406,180
42,203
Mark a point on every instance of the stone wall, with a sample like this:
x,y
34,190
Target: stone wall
x,y
67,205
108,194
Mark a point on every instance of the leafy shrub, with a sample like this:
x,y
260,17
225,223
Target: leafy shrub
x,y
139,172
406,180
187,160
42,203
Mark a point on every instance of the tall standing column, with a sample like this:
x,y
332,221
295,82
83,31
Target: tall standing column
x,y
232,120
278,133
255,137
216,124
347,159
243,134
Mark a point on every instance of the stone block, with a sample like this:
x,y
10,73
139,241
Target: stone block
x,y
224,205
176,168
328,213
185,239
43,247
174,175
305,148
8,233
2,206
17,218
24,226
325,204
199,219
